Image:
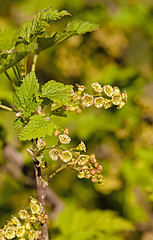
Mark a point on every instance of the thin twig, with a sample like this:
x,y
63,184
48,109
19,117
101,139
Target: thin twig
x,y
15,73
6,108
34,63
10,79
57,170
25,66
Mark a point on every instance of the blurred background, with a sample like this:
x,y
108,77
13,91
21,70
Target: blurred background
x,y
119,53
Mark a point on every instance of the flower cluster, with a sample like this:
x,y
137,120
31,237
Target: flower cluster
x,y
27,225
85,165
105,97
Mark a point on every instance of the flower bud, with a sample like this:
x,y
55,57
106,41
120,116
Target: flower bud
x,y
66,131
93,171
19,114
124,97
81,88
81,174
27,226
92,158
94,179
56,133
99,167
41,143
79,110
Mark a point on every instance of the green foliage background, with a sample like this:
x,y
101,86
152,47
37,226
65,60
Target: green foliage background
x,y
119,53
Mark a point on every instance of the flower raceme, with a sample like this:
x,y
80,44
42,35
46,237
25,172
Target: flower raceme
x,y
85,165
27,226
105,97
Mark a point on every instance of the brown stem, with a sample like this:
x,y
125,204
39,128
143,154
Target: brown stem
x,y
41,187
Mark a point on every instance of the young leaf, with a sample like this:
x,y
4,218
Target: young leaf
x,y
76,27
18,123
57,92
25,96
31,29
81,27
15,56
38,127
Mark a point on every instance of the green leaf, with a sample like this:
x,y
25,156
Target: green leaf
x,y
31,29
8,39
76,27
38,127
15,56
81,27
25,96
95,224
18,123
57,92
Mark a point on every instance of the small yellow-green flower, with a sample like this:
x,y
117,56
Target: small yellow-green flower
x,y
87,100
54,154
116,99
99,102
116,90
23,214
65,139
97,87
83,159
20,231
66,156
41,143
108,90
81,88
121,105
36,208
32,235
15,221
81,147
108,103
10,233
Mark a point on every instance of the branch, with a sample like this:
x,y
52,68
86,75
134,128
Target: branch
x,y
41,188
